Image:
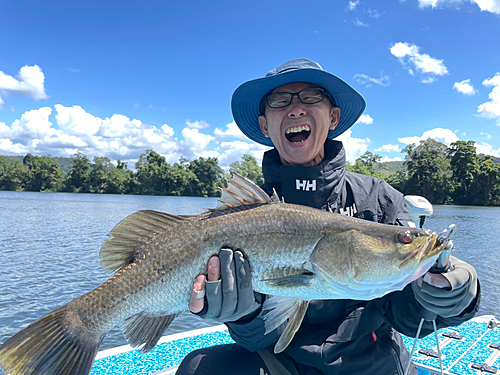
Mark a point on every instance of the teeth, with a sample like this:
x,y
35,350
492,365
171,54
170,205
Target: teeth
x,y
298,129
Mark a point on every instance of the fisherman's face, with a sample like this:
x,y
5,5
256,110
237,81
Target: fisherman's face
x,y
307,126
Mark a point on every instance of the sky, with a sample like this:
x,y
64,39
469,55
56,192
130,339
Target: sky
x,y
116,78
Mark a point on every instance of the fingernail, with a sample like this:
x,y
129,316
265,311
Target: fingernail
x,y
428,278
214,261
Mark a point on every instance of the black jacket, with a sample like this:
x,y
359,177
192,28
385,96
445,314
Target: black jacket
x,y
344,336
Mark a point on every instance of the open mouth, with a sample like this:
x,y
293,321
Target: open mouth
x,y
298,134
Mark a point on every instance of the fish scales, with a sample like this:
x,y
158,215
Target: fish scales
x,y
274,244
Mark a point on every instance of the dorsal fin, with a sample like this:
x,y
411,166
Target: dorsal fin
x,y
241,191
118,251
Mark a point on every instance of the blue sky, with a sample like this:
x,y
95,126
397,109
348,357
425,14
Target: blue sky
x,y
114,78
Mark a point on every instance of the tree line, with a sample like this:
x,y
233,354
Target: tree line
x,y
153,175
442,174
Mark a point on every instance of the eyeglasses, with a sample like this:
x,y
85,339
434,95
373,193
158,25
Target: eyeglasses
x,y
311,95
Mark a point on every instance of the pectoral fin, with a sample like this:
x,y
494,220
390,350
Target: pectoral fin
x,y
292,281
281,309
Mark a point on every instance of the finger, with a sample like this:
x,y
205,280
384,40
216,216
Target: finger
x,y
229,291
244,280
197,300
419,281
437,280
214,268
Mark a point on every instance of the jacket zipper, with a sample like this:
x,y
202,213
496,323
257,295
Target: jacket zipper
x,y
397,359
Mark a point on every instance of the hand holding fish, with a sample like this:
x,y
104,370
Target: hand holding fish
x,y
227,295
450,293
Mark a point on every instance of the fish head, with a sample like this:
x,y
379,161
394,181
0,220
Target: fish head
x,y
369,260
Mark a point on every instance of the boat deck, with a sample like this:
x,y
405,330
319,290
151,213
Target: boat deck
x,y
472,348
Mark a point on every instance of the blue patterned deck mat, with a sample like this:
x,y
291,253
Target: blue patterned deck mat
x,y
160,358
170,354
471,331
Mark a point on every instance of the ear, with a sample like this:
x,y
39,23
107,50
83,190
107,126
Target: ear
x,y
263,125
334,117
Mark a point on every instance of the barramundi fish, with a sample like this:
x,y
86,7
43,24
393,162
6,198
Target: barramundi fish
x,y
296,254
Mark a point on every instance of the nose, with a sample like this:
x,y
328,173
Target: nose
x,y
296,109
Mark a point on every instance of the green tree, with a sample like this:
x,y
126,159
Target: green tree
x,y
14,177
179,177
4,170
119,179
209,176
365,164
485,188
77,179
98,179
428,171
151,172
44,173
248,168
464,166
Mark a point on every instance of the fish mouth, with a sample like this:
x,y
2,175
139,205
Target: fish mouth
x,y
298,134
423,250
427,252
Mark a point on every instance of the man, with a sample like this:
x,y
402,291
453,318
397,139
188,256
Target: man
x,y
298,108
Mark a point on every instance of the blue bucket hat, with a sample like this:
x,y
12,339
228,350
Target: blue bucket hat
x,y
247,97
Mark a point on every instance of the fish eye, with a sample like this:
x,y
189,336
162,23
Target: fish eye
x,y
405,237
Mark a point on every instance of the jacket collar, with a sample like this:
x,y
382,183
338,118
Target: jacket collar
x,y
319,186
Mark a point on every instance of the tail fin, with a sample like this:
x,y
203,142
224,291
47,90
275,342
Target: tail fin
x,y
57,343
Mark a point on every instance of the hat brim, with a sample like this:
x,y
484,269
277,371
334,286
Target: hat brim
x,y
246,99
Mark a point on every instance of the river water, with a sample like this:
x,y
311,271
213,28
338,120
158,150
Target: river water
x,y
49,250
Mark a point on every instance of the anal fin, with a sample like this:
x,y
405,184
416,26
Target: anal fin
x,y
143,329
281,309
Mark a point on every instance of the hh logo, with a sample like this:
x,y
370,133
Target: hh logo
x,y
305,185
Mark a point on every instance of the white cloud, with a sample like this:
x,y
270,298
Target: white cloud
x,y
63,131
386,159
486,135
116,137
352,5
445,136
232,130
354,147
491,109
233,151
373,13
29,82
492,6
487,149
167,130
389,148
194,143
364,119
430,79
358,22
196,124
366,80
465,87
409,56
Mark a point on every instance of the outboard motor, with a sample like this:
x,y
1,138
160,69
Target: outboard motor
x,y
419,208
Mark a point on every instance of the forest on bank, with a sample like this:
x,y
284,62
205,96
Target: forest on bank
x,y
444,175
